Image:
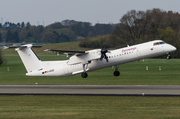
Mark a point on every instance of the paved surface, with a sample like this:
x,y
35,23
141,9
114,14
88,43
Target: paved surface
x,y
109,90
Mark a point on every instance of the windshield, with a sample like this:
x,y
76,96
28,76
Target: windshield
x,y
158,43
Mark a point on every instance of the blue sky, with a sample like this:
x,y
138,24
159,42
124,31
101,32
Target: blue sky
x,y
93,11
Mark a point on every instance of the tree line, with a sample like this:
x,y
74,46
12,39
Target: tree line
x,y
142,26
65,31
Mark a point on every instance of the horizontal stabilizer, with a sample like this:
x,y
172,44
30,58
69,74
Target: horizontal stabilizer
x,y
24,46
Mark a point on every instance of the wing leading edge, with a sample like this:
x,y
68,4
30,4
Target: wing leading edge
x,y
66,52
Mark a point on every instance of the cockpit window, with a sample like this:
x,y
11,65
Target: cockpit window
x,y
162,43
158,43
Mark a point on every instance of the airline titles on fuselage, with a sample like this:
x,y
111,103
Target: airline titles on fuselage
x,y
130,49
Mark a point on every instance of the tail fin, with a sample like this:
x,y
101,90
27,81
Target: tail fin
x,y
29,58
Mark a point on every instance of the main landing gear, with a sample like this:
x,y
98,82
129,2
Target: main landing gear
x,y
116,72
84,73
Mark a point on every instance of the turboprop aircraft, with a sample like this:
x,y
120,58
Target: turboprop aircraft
x,y
81,62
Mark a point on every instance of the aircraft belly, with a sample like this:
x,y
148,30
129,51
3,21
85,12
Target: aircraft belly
x,y
51,69
112,62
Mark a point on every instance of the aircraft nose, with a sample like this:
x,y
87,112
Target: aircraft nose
x,y
171,48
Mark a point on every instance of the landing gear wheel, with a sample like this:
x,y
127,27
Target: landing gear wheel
x,y
84,75
169,57
116,73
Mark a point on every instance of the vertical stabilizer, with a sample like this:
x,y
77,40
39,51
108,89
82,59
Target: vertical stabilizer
x,y
29,58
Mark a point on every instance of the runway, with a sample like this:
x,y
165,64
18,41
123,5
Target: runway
x,y
96,90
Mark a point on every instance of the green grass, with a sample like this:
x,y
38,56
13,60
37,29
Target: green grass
x,y
89,107
131,73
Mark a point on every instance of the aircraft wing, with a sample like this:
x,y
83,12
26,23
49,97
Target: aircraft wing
x,y
83,57
68,53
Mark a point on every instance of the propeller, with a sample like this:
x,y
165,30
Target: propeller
x,y
103,54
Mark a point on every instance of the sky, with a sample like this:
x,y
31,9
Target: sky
x,y
46,12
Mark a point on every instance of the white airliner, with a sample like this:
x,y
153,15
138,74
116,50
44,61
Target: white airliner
x,y
81,62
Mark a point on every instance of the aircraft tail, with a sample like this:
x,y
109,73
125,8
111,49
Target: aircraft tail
x,y
29,58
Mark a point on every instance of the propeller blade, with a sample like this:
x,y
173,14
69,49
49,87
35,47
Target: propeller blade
x,y
103,54
106,57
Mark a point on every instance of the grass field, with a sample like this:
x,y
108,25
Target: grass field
x,y
87,107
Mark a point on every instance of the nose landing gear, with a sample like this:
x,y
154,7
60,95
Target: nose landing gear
x,y
116,73
169,56
84,73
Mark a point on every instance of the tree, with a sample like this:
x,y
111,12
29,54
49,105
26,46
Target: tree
x,y
49,38
15,37
29,35
57,25
23,34
9,36
1,39
102,29
5,25
28,25
63,38
139,26
96,42
166,34
18,25
131,28
22,25
1,58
